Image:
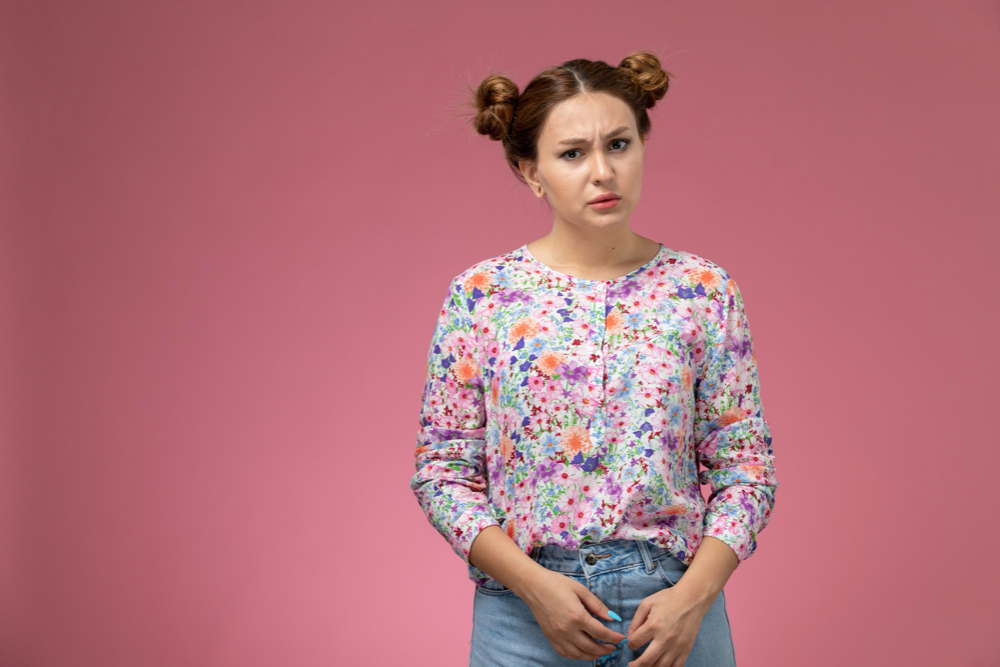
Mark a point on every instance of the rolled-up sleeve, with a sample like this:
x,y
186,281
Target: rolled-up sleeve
x,y
450,483
732,440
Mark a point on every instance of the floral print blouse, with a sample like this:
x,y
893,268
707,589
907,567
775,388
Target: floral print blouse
x,y
570,411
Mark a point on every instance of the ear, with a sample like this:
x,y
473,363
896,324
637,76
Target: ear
x,y
526,169
530,172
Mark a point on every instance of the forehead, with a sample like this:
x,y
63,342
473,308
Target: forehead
x,y
586,115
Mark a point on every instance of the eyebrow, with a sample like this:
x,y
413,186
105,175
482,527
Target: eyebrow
x,y
577,140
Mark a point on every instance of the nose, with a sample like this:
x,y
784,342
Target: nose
x,y
601,169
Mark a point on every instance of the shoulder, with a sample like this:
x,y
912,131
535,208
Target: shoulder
x,y
481,275
701,275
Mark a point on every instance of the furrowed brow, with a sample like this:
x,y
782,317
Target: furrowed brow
x,y
578,140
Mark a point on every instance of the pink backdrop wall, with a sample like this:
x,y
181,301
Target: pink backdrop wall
x,y
227,229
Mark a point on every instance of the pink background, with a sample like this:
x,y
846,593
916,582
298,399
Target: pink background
x,y
227,229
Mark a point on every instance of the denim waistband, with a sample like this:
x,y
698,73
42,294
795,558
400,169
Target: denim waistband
x,y
591,559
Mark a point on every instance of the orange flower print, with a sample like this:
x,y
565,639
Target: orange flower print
x,y
730,287
614,323
575,439
731,416
494,390
507,448
466,370
548,361
480,279
526,327
707,277
686,378
510,529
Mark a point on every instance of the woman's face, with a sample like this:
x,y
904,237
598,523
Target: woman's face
x,y
589,146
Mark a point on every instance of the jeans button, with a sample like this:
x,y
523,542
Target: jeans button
x,y
591,559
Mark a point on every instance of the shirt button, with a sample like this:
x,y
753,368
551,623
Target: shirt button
x,y
591,559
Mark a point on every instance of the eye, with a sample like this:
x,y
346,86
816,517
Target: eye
x,y
613,141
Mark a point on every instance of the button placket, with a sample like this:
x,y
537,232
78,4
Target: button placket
x,y
596,362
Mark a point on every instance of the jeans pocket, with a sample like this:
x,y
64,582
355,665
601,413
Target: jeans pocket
x,y
670,570
493,587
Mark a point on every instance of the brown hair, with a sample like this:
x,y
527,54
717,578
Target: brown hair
x,y
515,119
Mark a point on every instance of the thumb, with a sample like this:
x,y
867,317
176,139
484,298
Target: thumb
x,y
595,606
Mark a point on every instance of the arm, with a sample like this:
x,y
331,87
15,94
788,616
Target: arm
x,y
450,480
497,555
733,442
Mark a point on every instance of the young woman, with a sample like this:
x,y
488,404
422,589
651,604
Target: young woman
x,y
573,387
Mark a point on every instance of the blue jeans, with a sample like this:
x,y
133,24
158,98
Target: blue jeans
x,y
619,572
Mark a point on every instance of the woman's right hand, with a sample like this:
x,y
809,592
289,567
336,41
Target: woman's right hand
x,y
563,607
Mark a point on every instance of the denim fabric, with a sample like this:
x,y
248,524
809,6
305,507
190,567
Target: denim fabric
x,y
506,634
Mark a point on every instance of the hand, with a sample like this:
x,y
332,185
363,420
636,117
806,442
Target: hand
x,y
670,620
563,608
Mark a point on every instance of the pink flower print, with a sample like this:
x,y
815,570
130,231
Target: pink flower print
x,y
616,404
568,506
658,294
492,348
665,367
692,331
653,373
587,395
614,436
647,396
550,395
659,421
560,524
660,460
582,515
582,329
614,393
712,312
639,516
537,382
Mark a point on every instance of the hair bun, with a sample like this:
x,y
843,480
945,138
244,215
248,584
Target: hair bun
x,y
647,75
495,99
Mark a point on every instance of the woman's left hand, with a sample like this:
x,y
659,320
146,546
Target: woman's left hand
x,y
669,620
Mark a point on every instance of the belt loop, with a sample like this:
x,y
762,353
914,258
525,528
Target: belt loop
x,y
646,558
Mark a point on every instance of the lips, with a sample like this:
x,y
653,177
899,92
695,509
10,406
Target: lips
x,y
606,197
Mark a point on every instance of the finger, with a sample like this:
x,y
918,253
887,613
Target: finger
x,y
655,655
589,646
635,630
669,658
594,604
593,626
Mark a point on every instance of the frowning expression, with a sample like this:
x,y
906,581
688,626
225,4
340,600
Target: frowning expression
x,y
589,146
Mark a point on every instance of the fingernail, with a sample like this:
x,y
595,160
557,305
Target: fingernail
x,y
614,615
